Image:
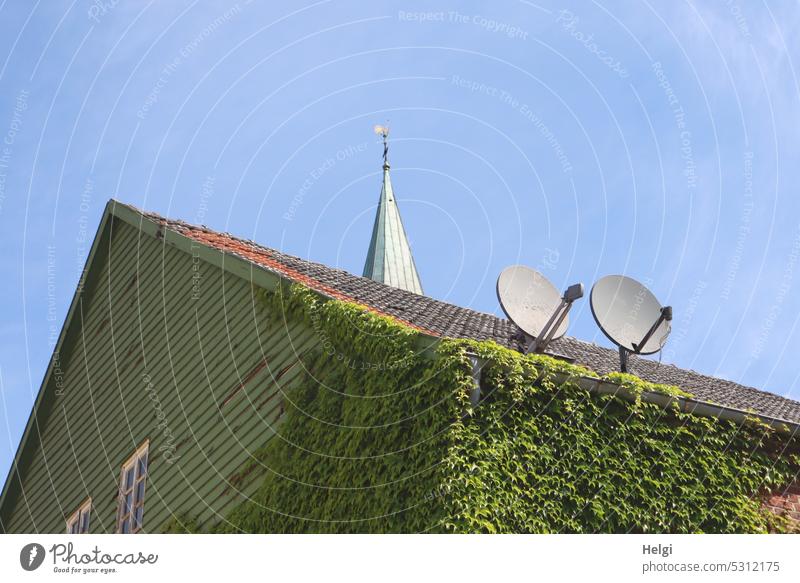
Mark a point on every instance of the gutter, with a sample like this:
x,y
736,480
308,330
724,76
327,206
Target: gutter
x,y
685,404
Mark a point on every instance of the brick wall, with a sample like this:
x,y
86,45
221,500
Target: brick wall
x,y
786,502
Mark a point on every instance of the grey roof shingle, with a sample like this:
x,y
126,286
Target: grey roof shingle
x,y
453,321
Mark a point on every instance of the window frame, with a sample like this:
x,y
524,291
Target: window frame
x,y
75,522
130,516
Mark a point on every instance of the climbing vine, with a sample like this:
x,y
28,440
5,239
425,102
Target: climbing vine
x,y
380,436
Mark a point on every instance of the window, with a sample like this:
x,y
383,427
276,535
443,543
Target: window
x,y
130,507
78,523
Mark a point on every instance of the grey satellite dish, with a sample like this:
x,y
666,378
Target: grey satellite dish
x,y
630,316
534,304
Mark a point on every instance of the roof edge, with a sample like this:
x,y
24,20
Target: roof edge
x,y
76,298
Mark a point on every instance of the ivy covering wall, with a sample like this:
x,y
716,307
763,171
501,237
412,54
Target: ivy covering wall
x,y
381,437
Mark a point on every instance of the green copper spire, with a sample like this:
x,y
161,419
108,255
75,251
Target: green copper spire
x,y
389,258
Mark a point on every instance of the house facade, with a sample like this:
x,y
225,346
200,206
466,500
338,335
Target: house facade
x,y
171,376
153,368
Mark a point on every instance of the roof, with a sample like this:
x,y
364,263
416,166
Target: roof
x,y
442,319
389,258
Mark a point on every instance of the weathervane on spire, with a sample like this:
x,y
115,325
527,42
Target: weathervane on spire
x,y
389,258
384,132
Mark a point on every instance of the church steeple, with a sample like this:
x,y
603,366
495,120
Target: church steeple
x,y
389,258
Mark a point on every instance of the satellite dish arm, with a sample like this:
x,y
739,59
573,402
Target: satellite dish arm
x,y
540,343
573,293
666,314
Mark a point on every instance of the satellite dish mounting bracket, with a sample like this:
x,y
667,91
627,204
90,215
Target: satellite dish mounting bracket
x,y
623,359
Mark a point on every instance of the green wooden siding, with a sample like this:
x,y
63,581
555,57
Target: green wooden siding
x,y
140,316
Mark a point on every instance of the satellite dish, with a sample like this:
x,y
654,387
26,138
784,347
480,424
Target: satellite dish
x,y
630,316
535,305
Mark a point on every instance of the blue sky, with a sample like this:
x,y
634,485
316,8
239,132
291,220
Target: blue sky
x,y
579,138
